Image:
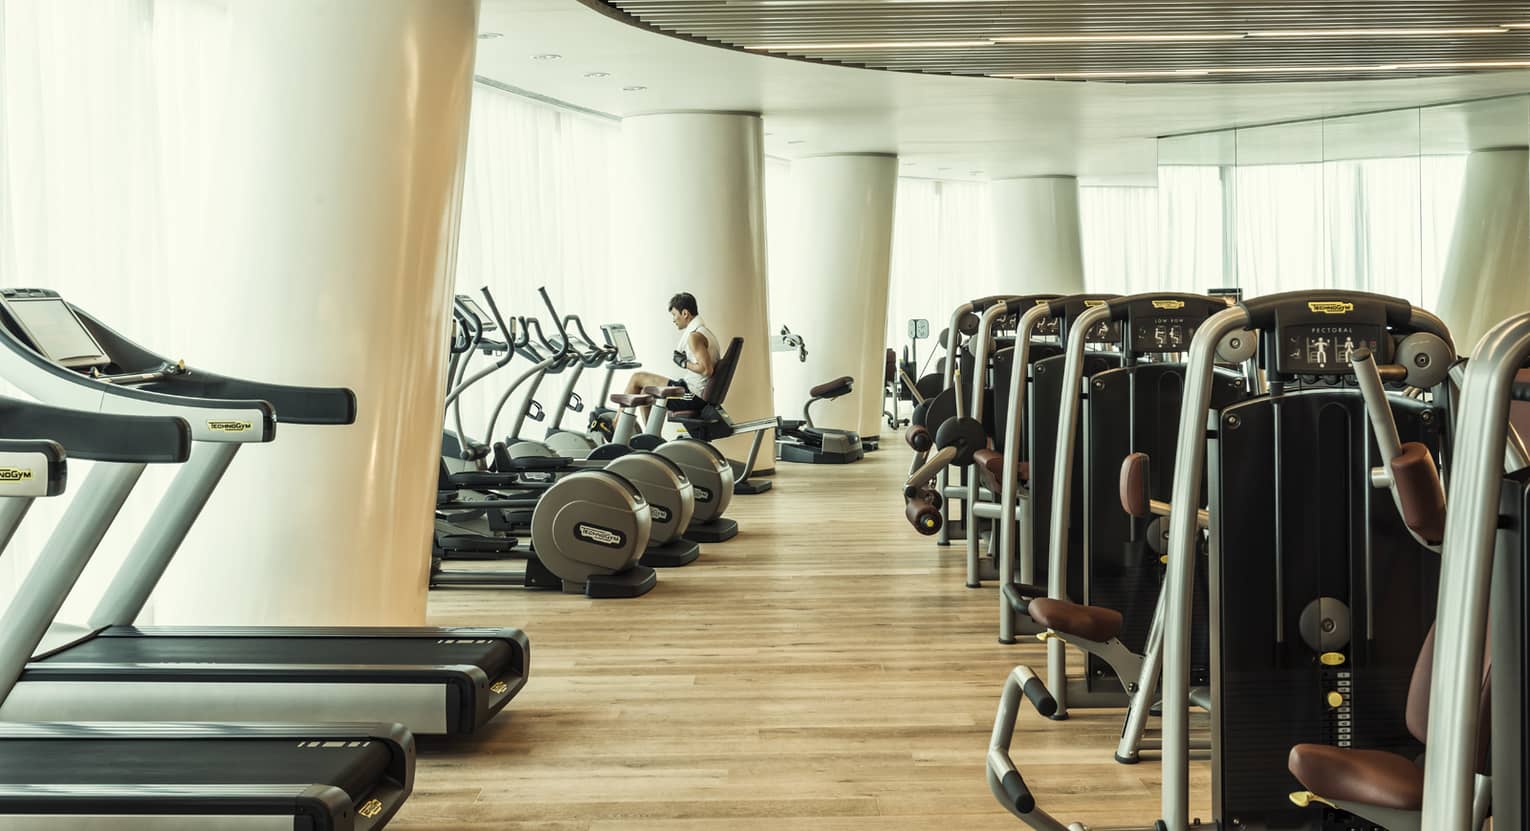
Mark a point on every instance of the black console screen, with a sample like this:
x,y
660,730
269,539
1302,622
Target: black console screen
x,y
1163,333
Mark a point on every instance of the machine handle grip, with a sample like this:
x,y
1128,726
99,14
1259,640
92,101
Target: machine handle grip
x,y
579,326
1019,795
1041,698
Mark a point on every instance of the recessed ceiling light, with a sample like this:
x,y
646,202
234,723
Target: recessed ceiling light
x,y
1120,37
797,141
1376,33
975,173
490,35
1465,65
597,74
634,89
1515,25
879,44
1274,70
1106,73
547,56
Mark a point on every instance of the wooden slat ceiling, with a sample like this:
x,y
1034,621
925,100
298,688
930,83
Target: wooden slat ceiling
x,y
1256,41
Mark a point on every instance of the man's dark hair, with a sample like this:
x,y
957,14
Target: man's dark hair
x,y
684,302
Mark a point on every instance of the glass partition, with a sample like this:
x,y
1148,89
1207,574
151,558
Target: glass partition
x,y
1361,201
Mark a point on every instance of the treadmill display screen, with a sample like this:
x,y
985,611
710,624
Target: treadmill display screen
x,y
1325,349
476,310
56,332
1163,333
617,334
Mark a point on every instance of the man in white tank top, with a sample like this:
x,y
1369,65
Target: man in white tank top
x,y
696,354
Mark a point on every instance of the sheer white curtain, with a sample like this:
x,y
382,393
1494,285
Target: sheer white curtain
x,y
107,112
1379,225
942,254
537,211
1120,234
1191,228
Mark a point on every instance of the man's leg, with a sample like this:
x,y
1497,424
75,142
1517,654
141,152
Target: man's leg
x,y
635,386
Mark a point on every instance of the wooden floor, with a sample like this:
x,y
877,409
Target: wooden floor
x,y
825,670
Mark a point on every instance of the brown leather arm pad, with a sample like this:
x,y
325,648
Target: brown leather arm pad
x,y
1134,485
1419,492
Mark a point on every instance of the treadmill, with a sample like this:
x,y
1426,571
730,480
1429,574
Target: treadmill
x,y
166,777
432,680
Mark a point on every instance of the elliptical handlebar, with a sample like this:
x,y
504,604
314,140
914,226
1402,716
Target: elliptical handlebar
x,y
499,319
564,347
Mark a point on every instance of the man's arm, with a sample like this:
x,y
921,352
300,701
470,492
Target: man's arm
x,y
703,364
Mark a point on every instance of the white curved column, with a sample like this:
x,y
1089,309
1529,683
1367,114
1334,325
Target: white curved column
x,y
834,292
693,217
1485,276
1036,235
330,263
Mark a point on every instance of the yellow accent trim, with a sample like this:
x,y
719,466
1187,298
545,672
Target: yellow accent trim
x,y
1335,700
1089,304
370,808
1331,307
498,687
1168,304
1046,636
1163,560
1332,659
1302,799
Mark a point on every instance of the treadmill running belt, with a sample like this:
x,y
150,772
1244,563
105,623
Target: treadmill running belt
x,y
353,766
119,646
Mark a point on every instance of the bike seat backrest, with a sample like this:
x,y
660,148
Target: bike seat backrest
x,y
716,388
832,389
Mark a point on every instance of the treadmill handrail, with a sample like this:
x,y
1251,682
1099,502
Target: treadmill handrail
x,y
178,390
98,436
20,459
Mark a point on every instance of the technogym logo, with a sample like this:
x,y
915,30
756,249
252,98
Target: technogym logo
x,y
229,426
370,809
1331,307
600,536
15,474
702,494
660,514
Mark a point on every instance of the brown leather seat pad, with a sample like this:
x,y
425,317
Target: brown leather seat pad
x,y
1369,777
622,399
1419,491
1088,622
990,466
664,392
1134,485
843,382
